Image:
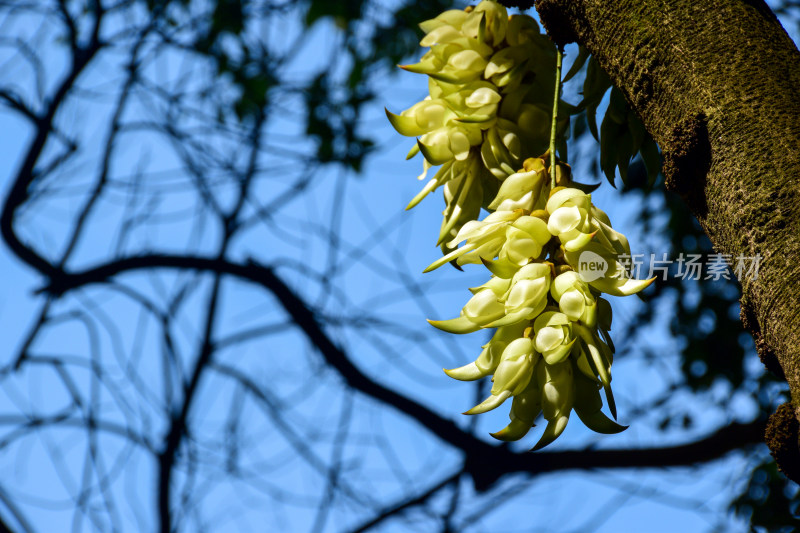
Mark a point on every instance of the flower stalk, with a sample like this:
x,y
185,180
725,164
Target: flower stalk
x,y
556,98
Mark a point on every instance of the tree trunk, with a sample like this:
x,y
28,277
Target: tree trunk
x,y
716,84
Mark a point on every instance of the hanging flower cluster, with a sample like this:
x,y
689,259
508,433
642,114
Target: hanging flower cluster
x,y
551,253
490,78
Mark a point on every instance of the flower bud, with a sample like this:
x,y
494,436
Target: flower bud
x,y
463,197
451,17
588,405
482,308
484,239
604,314
511,376
515,238
521,29
489,358
534,123
524,409
501,150
487,22
521,190
557,399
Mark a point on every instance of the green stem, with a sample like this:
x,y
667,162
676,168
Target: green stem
x,y
555,119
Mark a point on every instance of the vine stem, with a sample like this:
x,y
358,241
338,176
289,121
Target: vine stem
x,y
556,96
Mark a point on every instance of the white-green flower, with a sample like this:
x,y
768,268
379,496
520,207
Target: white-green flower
x,y
600,357
613,278
527,294
461,61
554,337
570,218
575,221
484,239
525,407
608,237
524,240
588,405
522,190
591,246
511,376
452,141
487,22
574,298
453,17
423,117
482,309
463,196
510,235
489,358
558,395
475,103
501,150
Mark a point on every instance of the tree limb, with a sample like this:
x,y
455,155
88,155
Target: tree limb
x,y
483,471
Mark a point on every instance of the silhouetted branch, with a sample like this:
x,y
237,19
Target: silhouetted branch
x,y
504,461
407,503
81,56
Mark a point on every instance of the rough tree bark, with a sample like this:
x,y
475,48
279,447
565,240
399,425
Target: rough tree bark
x,y
717,85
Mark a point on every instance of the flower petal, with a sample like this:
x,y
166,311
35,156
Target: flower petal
x,y
564,219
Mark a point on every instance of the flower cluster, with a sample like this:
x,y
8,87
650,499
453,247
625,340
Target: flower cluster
x,y
551,253
551,351
490,78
